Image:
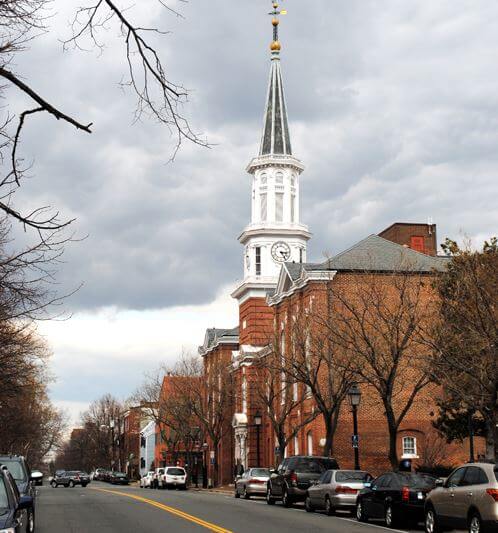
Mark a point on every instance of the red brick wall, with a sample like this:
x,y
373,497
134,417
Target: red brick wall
x,y
257,317
403,233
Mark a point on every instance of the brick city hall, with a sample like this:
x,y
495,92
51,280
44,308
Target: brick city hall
x,y
280,287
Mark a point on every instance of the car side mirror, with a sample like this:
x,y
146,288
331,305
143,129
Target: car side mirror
x,y
439,482
26,502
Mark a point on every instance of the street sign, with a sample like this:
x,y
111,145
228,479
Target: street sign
x,y
355,441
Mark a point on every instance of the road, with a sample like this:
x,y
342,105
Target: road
x,y
105,508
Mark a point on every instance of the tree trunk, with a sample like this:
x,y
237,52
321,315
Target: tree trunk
x,y
282,444
393,436
491,438
329,420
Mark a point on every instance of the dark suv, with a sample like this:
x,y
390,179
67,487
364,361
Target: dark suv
x,y
293,477
70,479
15,513
20,472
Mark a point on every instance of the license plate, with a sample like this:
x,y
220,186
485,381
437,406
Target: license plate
x,y
420,495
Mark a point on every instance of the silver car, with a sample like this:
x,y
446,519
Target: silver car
x,y
468,498
336,489
252,482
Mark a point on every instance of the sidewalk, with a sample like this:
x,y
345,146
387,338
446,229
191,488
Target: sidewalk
x,y
225,489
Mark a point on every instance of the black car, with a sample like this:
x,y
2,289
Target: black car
x,y
397,497
293,477
20,472
15,509
119,478
71,478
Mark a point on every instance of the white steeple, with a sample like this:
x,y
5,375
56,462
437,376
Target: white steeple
x,y
275,234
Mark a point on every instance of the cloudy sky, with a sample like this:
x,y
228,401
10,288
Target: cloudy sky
x,y
393,109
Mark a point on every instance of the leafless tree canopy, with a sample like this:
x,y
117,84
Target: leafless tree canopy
x,y
157,96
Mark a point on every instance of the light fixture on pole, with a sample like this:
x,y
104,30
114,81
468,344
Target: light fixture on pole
x,y
354,395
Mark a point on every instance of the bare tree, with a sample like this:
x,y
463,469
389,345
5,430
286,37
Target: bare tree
x,y
378,323
276,394
464,337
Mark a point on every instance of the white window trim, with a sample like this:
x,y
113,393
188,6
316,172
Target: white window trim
x,y
409,455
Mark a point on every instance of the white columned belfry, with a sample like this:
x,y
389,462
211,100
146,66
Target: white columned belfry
x,y
275,234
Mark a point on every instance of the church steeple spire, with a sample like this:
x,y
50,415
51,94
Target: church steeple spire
x,y
275,139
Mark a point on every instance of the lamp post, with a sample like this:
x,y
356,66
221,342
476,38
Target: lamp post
x,y
354,394
258,419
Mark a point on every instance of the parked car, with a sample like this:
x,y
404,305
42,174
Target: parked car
x,y
37,477
70,478
146,481
159,472
99,474
119,478
336,489
468,498
20,472
252,482
397,497
173,477
16,514
294,476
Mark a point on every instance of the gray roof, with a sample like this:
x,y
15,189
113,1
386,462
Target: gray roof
x,y
275,139
374,254
215,335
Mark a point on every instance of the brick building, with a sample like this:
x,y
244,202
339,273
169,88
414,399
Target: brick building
x,y
278,285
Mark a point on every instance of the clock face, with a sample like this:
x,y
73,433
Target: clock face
x,y
280,252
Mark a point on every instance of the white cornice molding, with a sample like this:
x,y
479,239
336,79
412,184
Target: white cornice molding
x,y
274,160
275,230
300,283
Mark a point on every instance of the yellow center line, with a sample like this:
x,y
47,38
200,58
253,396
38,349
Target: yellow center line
x,y
172,510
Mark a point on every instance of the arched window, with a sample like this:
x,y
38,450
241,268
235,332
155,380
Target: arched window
x,y
279,178
264,179
309,442
244,394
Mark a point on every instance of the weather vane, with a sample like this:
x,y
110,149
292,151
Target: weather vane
x,y
275,45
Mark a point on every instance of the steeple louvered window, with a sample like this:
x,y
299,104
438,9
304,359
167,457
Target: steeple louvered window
x,y
293,207
258,261
279,178
264,207
279,207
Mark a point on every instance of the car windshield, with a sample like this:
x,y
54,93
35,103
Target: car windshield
x,y
261,472
119,474
4,500
419,481
315,466
351,475
176,471
16,469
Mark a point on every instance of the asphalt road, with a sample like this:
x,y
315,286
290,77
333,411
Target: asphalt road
x,y
106,508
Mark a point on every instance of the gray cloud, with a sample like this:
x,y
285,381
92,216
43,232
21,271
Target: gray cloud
x,y
393,110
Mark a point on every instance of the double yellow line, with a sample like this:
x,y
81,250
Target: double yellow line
x,y
172,510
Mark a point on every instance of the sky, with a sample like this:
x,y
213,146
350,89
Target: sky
x,y
393,109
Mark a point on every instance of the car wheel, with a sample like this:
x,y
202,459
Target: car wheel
x,y
269,499
329,509
30,526
475,524
286,499
247,496
308,506
390,516
71,484
360,513
431,521
54,484
84,484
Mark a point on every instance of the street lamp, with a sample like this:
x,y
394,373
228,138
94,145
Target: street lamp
x,y
354,394
258,419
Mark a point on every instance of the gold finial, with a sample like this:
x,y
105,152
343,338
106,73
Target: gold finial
x,y
275,45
